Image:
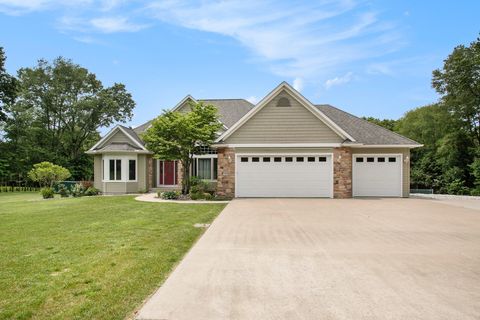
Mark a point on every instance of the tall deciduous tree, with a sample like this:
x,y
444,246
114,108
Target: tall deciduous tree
x,y
8,87
60,107
177,136
459,84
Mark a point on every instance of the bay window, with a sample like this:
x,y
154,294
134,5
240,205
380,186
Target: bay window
x,y
119,168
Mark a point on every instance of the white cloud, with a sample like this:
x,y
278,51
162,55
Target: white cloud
x,y
115,24
295,40
298,84
339,80
252,99
18,7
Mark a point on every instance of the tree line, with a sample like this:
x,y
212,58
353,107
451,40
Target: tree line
x,y
52,112
449,161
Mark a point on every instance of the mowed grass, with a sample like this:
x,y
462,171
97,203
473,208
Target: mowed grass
x,y
92,257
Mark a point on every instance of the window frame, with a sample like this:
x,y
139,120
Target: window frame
x,y
213,170
124,167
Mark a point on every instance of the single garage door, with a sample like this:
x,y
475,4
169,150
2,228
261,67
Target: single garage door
x,y
284,176
377,175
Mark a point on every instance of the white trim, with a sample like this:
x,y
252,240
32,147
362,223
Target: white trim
x,y
114,130
124,167
280,145
293,154
379,155
307,104
178,105
404,146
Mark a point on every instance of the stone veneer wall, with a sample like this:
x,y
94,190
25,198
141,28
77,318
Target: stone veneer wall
x,y
149,172
342,173
226,172
179,173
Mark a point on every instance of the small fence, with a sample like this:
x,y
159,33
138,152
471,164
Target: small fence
x,y
422,191
18,186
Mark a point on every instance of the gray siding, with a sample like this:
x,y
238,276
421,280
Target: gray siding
x,y
406,166
97,171
142,173
117,137
294,124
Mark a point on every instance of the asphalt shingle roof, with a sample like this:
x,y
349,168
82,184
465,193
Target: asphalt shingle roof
x,y
229,110
362,130
116,146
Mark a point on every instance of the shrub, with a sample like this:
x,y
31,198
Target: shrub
x,y
475,192
63,190
46,173
92,191
47,193
78,190
195,195
201,186
207,196
170,195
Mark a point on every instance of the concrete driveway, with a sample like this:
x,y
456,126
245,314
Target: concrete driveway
x,y
329,259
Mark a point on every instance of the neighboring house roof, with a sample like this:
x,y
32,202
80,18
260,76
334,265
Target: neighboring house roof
x,y
229,111
363,131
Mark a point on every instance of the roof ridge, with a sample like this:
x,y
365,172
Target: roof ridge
x,y
366,121
217,99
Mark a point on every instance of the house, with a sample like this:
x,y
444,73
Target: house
x,y
284,146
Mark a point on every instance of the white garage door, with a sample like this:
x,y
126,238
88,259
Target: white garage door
x,y
377,175
284,176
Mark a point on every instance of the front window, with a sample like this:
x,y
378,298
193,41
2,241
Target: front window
x,y
205,168
132,170
119,168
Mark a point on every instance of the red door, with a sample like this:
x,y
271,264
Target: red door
x,y
167,173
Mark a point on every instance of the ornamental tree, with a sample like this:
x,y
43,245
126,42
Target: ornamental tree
x,y
46,173
177,136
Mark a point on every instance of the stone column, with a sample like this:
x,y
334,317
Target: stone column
x,y
149,172
342,173
179,173
226,172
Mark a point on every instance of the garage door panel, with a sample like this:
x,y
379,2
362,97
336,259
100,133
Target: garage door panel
x,y
377,178
284,179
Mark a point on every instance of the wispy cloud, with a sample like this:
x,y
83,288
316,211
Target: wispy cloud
x,y
339,80
295,40
115,24
19,7
298,84
252,99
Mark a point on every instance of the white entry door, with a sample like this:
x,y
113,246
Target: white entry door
x,y
377,175
284,176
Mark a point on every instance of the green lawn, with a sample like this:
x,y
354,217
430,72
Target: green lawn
x,y
89,258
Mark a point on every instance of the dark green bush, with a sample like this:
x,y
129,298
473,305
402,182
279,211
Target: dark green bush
x,y
47,193
63,191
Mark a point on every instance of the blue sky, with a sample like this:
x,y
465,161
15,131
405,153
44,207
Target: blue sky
x,y
370,58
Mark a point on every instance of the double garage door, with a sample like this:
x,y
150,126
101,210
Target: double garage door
x,y
312,175
284,176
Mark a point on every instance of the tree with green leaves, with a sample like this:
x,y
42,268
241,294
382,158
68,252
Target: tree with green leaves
x,y
386,123
60,107
47,173
458,83
177,136
8,87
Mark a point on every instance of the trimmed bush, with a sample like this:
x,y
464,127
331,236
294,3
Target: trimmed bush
x,y
47,193
170,195
92,191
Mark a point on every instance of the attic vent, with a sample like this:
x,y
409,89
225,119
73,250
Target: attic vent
x,y
283,102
